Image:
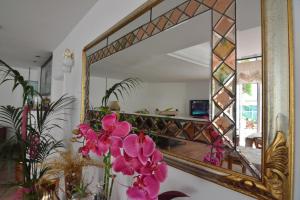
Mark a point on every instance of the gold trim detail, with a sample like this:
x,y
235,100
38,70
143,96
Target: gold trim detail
x,y
276,170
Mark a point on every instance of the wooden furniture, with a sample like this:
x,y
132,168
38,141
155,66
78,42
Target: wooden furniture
x,y
250,140
233,159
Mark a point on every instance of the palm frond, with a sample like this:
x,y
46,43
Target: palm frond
x,y
49,118
10,74
126,85
11,117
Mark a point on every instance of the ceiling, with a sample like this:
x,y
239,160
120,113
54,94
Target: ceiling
x,y
183,52
32,29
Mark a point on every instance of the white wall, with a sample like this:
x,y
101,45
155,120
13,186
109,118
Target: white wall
x,y
296,8
15,98
102,16
149,95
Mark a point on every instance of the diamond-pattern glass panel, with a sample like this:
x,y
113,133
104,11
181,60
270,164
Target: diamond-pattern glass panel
x,y
230,85
223,26
223,73
216,17
222,5
231,11
223,124
230,35
192,7
176,14
230,60
224,48
209,3
216,39
201,9
230,111
216,62
216,111
216,86
161,23
223,99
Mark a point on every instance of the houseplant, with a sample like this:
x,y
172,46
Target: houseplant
x,y
32,134
129,153
118,89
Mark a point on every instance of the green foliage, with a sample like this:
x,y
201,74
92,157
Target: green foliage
x,y
118,89
81,190
10,74
39,134
247,88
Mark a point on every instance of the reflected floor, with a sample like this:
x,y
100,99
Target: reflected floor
x,y
247,161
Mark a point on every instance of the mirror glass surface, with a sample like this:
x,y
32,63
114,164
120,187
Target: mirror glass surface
x,y
174,96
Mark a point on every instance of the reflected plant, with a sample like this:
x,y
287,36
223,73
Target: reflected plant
x,y
118,89
215,156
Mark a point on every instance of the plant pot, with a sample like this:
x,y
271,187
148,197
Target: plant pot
x,y
114,106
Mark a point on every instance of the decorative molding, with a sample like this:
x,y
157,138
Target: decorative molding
x,y
276,170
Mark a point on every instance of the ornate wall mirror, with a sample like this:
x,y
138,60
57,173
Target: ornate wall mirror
x,y
213,87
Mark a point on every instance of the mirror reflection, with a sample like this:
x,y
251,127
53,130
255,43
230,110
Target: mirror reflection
x,y
166,83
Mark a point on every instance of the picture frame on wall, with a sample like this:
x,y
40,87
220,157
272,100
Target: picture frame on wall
x,y
45,80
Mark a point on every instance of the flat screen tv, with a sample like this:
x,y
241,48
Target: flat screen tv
x,y
199,108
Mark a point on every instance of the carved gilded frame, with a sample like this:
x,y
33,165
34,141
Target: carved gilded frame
x,y
277,178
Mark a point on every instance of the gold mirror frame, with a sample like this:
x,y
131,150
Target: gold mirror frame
x,y
278,147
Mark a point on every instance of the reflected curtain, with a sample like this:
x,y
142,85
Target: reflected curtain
x,y
249,72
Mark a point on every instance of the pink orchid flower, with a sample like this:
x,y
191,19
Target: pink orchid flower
x,y
144,188
141,146
110,138
126,165
111,125
156,167
24,122
83,128
212,158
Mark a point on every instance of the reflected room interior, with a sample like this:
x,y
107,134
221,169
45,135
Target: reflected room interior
x,y
178,75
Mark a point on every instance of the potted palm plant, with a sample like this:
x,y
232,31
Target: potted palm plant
x,y
35,141
118,90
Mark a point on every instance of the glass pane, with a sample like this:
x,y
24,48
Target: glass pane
x,y
223,48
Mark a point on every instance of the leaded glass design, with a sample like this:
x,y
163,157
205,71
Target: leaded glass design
x,y
223,68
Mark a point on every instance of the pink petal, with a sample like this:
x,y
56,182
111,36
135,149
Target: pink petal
x,y
84,128
116,144
108,121
84,150
143,159
131,145
161,172
151,186
134,162
146,170
136,193
122,129
148,146
102,147
120,165
90,134
157,156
